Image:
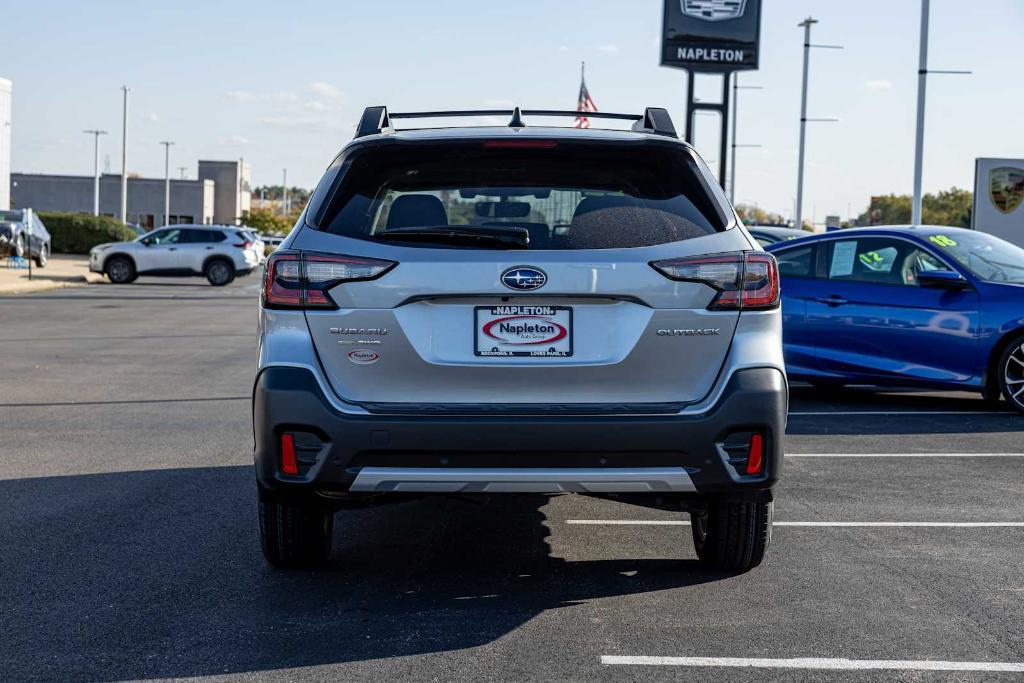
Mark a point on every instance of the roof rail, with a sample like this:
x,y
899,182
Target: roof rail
x,y
655,120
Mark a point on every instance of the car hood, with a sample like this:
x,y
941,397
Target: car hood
x,y
107,245
1009,289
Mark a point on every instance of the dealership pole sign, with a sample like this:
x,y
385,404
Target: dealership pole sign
x,y
711,36
999,198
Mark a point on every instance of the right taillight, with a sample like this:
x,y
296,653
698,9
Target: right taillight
x,y
299,279
744,280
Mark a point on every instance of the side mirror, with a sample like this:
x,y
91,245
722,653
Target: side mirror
x,y
943,279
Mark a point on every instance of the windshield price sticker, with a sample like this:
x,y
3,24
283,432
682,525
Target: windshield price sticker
x,y
942,241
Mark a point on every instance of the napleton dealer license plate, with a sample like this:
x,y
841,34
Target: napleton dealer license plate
x,y
523,331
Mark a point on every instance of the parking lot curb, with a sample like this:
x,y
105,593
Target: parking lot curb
x,y
32,286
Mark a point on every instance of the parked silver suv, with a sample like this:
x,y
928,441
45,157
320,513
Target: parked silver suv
x,y
497,310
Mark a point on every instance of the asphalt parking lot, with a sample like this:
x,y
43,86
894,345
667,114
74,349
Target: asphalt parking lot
x,y
129,545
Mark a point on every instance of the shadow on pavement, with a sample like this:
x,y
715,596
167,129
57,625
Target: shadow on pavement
x,y
158,574
946,412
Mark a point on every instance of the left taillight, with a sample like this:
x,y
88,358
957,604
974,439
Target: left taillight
x,y
744,280
301,279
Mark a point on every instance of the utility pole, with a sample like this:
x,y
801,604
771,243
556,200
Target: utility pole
x,y
167,180
284,194
239,189
124,156
922,82
182,170
736,87
96,170
798,209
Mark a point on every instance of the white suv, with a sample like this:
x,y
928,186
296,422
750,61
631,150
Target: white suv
x,y
217,252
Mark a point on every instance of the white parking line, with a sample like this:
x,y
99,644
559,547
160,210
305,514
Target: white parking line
x,y
896,413
821,663
905,455
681,522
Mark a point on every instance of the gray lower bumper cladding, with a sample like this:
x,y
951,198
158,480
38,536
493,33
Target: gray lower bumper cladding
x,y
509,480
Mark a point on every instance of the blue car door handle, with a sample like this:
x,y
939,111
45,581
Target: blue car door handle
x,y
833,300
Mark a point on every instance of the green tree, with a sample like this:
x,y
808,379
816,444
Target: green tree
x,y
754,215
268,222
948,207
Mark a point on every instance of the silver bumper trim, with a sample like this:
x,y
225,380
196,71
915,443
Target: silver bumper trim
x,y
526,480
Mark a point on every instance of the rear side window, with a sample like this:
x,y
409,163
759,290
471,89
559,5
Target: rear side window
x,y
204,236
797,262
566,195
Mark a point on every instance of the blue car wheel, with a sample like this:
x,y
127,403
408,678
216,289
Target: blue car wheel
x,y
1011,373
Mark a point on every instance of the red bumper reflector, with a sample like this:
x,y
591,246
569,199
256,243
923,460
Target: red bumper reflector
x,y
755,459
289,465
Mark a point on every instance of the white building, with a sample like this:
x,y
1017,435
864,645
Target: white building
x,y
5,144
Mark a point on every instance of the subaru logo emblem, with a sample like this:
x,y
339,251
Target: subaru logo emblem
x,y
523,278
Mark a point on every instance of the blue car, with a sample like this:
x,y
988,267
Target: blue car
x,y
928,307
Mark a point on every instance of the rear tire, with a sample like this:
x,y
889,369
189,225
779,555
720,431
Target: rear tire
x,y
295,534
1011,373
732,535
120,270
219,272
41,258
828,386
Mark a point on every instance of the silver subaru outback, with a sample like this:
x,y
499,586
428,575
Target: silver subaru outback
x,y
519,309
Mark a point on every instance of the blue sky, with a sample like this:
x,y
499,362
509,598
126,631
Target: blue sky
x,y
283,84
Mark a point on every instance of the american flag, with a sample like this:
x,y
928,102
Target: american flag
x,y
585,102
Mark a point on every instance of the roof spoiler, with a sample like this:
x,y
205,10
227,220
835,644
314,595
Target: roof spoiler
x,y
654,120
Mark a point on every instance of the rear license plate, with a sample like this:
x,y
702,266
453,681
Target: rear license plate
x,y
539,331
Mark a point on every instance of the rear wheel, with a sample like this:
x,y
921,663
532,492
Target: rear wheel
x,y
120,270
41,258
827,386
732,534
219,272
1011,373
295,534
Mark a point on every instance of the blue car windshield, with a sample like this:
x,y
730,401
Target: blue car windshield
x,y
988,257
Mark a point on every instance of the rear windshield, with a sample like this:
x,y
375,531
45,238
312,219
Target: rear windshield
x,y
565,195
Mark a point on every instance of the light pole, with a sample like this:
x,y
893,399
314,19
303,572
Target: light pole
x,y
922,82
284,194
167,180
96,170
182,169
124,156
798,211
736,87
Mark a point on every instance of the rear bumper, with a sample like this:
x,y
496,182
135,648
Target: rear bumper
x,y
344,455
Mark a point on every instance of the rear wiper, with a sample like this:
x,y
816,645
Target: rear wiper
x,y
469,235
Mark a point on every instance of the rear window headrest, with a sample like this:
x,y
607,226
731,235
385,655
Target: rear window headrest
x,y
416,210
590,204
